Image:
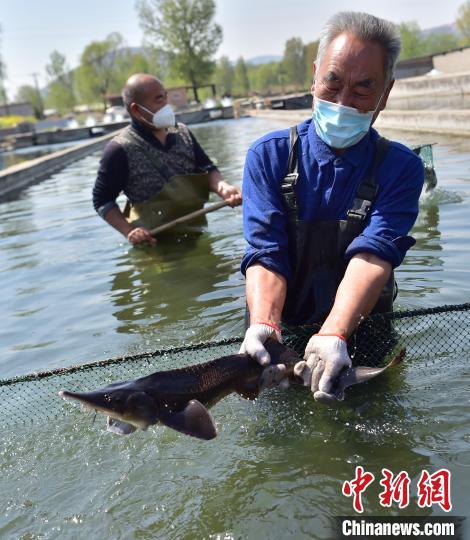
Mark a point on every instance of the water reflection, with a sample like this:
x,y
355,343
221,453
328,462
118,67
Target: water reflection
x,y
277,466
162,288
417,275
295,454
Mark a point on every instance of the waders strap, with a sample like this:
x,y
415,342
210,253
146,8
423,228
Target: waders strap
x,y
367,190
290,180
292,164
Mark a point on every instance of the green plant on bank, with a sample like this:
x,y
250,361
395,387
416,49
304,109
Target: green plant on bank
x,y
3,76
293,73
29,94
12,121
97,72
61,91
414,44
463,22
241,84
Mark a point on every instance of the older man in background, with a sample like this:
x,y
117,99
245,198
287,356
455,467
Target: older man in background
x,y
157,163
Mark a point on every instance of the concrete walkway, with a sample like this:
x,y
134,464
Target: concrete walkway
x,y
15,178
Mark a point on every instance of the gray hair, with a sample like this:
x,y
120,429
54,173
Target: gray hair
x,y
366,28
128,97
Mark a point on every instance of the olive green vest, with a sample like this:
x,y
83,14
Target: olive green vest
x,y
150,167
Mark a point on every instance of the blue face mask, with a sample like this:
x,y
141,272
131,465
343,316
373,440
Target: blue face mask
x,y
340,126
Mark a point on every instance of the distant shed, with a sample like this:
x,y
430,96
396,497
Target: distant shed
x,y
17,109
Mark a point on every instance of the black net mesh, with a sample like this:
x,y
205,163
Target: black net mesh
x,y
428,334
424,151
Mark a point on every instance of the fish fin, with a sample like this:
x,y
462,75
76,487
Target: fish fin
x,y
357,375
397,360
119,427
362,374
194,420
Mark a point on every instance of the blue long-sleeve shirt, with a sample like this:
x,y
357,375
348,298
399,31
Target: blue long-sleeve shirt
x,y
325,190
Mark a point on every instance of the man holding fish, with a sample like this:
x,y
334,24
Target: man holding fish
x,y
329,204
158,164
327,211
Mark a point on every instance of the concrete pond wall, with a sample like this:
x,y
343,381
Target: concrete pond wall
x,y
431,92
15,178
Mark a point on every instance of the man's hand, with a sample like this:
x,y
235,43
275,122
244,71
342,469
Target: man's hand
x,y
140,235
325,356
229,193
255,336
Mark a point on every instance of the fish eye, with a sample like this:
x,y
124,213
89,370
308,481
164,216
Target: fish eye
x,y
115,400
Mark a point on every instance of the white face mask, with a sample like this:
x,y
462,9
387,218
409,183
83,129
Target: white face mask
x,y
164,117
340,126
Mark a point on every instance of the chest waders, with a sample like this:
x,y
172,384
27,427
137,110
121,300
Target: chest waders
x,y
181,195
162,184
316,248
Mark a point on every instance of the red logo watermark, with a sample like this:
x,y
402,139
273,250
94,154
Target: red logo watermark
x,y
396,489
356,486
431,489
435,489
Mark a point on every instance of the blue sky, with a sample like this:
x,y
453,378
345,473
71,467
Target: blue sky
x,y
32,29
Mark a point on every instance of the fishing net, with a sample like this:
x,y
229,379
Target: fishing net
x,y
427,334
424,151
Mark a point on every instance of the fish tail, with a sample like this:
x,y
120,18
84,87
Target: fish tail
x,y
398,358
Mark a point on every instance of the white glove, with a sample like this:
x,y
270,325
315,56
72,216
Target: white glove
x,y
325,356
255,336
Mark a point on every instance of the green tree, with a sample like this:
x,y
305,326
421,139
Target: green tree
x,y
463,22
130,61
294,62
127,63
282,78
311,50
3,78
97,71
264,78
185,31
224,76
241,83
61,95
436,43
29,94
412,44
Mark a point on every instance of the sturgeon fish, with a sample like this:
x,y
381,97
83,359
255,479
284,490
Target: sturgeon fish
x,y
180,398
351,376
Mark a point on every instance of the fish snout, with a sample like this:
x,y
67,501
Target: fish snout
x,y
66,395
71,396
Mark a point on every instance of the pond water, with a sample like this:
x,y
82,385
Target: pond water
x,y
74,291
